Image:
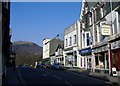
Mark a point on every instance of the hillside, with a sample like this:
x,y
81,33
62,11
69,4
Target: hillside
x,y
27,52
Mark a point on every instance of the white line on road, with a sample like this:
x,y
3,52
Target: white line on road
x,y
56,77
68,83
48,73
107,82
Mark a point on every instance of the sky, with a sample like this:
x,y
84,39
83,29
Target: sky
x,y
34,21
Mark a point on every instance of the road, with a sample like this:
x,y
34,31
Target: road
x,y
49,77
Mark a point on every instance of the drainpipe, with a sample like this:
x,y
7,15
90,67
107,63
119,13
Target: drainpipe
x,y
93,38
109,46
110,58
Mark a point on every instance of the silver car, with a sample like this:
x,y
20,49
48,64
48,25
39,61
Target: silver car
x,y
57,66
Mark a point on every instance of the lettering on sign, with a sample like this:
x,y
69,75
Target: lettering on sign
x,y
106,30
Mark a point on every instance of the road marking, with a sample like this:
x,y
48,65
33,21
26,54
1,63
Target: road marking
x,y
56,77
68,83
44,74
21,78
107,82
48,73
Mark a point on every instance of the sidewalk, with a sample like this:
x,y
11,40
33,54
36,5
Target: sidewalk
x,y
104,77
0,80
12,78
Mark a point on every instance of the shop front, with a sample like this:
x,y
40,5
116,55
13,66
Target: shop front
x,y
85,59
71,58
101,59
115,50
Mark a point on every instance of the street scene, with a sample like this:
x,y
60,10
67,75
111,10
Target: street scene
x,y
60,43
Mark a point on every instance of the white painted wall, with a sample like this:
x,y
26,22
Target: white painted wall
x,y
79,35
46,48
78,60
74,31
68,38
112,17
118,22
0,44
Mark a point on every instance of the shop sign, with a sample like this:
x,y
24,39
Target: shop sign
x,y
106,29
101,49
85,51
114,71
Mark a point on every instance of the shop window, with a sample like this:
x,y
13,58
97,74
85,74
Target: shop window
x,y
101,59
84,62
96,60
81,62
115,59
75,60
107,61
89,62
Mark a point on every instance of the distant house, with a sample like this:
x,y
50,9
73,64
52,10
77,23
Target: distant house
x,y
53,49
56,50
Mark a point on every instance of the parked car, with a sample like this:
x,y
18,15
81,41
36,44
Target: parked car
x,y
24,66
41,66
57,66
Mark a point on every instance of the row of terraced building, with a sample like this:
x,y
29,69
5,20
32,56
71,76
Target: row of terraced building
x,y
92,42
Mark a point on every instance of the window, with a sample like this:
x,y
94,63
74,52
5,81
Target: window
x,y
75,60
66,42
102,13
81,62
70,43
90,20
75,39
87,39
118,16
98,14
96,60
62,59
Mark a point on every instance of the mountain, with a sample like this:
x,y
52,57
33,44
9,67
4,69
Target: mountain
x,y
27,53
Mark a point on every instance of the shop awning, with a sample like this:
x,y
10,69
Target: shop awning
x,y
86,51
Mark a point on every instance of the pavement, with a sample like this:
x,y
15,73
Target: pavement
x,y
115,81
12,78
0,80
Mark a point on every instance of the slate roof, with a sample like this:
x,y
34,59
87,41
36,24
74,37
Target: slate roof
x,y
91,4
54,43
